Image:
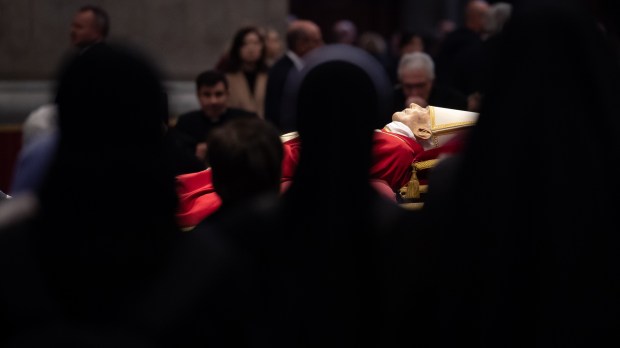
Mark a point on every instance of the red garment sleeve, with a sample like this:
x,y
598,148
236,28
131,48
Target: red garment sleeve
x,y
392,158
197,197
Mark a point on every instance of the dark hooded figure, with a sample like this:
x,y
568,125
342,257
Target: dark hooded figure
x,y
526,218
78,257
324,260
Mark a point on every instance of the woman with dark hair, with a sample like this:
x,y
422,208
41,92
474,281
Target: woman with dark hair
x,y
246,70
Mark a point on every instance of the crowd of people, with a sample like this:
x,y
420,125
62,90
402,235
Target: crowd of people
x,y
272,215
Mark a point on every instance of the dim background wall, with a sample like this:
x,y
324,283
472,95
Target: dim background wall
x,y
184,36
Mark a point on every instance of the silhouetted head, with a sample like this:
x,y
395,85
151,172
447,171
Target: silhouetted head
x,y
343,95
246,159
111,98
112,111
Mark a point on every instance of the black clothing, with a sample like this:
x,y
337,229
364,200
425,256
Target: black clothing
x,y
180,148
539,266
457,61
278,74
74,270
197,125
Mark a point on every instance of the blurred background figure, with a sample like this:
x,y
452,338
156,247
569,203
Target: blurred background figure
x,y
40,138
91,25
499,13
246,71
375,44
344,31
404,42
411,42
89,29
274,45
459,56
497,16
417,84
302,36
538,253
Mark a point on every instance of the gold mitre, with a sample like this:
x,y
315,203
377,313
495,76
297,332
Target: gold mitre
x,y
434,126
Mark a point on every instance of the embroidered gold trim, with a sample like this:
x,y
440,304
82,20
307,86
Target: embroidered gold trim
x,y
425,164
444,128
412,206
451,126
433,140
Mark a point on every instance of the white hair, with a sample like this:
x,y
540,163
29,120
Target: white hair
x,y
415,61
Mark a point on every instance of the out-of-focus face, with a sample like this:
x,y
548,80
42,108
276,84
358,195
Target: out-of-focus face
x,y
416,83
84,29
313,39
273,44
213,100
252,48
477,13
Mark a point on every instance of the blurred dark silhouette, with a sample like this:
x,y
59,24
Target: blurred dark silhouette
x,y
78,258
536,190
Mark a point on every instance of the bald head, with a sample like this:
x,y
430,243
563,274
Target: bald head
x,y
345,32
476,13
303,36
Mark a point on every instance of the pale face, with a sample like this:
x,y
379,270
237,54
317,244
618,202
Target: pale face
x,y
213,100
416,83
274,44
84,29
252,48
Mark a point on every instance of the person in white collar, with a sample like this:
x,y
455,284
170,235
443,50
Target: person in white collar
x,y
302,36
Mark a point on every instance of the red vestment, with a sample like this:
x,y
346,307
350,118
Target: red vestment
x,y
392,158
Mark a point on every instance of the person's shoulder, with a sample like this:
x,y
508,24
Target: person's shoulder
x,y
190,115
236,113
284,62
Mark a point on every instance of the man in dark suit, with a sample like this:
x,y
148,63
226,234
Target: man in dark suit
x,y
192,128
460,55
90,26
302,37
